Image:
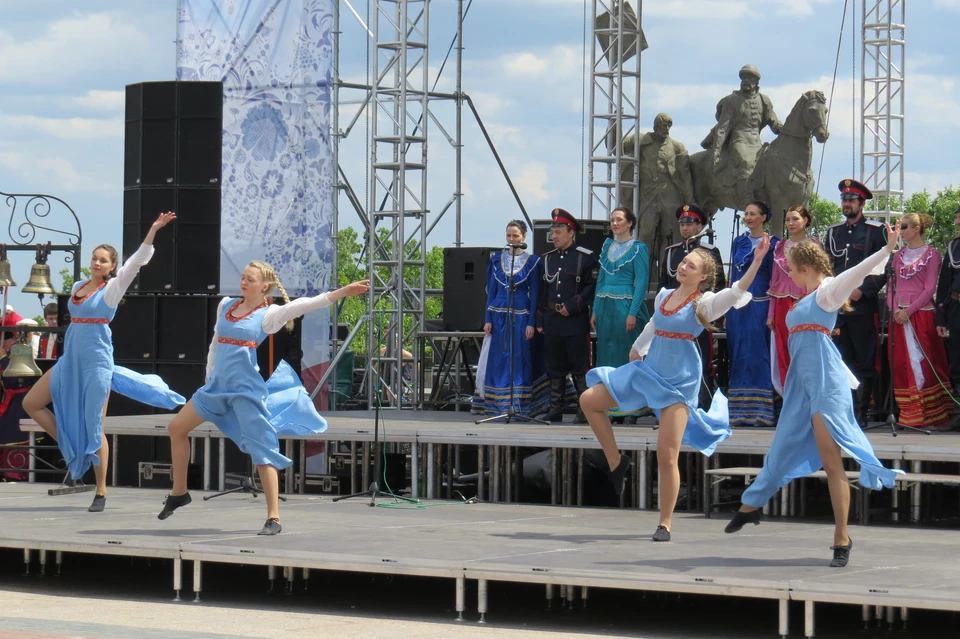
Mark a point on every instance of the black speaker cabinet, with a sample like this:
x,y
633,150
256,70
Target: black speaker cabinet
x,y
182,328
197,261
182,377
119,405
134,329
591,235
465,287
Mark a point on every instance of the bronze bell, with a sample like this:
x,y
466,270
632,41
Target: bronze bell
x,y
6,278
39,282
22,363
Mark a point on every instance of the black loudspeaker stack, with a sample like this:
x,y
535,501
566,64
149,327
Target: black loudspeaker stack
x,y
172,162
465,287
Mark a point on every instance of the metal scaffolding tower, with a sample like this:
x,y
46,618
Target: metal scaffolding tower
x,y
397,196
882,100
614,105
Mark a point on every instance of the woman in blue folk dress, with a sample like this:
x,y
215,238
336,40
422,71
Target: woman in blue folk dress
x,y
531,390
79,384
817,421
251,412
748,337
664,374
619,305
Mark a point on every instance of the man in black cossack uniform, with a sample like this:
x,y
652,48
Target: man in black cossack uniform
x,y
857,331
569,280
948,314
692,220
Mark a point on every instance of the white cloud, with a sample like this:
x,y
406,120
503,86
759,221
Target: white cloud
x,y
53,170
65,128
102,100
77,45
531,180
952,5
490,105
697,9
559,63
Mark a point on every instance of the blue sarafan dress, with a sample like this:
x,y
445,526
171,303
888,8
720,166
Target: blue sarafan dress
x,y
81,380
748,338
621,291
531,393
251,412
819,382
670,372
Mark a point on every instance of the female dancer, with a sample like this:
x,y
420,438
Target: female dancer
x,y
619,305
668,379
748,338
530,386
246,409
919,360
79,383
817,419
784,293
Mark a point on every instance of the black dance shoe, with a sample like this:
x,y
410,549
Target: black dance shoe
x,y
662,534
172,502
841,554
272,527
618,476
99,501
740,519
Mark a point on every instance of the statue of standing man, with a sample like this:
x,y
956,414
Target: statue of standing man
x,y
665,183
735,140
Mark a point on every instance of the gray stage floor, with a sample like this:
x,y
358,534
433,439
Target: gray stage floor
x,y
605,548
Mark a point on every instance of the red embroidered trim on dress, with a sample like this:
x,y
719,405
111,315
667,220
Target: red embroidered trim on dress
x,y
89,320
80,300
689,299
686,336
236,305
237,342
818,328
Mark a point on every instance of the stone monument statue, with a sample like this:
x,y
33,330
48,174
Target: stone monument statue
x,y
665,183
735,140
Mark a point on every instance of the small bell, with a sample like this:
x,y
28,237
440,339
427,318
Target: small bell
x,y
22,363
39,282
6,278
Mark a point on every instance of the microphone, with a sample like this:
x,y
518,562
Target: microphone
x,y
707,231
522,246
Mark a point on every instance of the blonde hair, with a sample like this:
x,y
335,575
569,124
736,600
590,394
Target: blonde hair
x,y
708,267
809,254
270,277
920,220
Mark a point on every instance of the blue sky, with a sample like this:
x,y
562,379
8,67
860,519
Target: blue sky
x,y
64,64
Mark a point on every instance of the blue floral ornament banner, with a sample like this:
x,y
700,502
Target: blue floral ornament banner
x,y
274,58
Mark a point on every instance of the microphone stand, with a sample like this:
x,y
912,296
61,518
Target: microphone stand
x,y
511,414
891,420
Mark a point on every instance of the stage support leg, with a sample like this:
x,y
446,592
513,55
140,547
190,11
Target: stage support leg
x,y
306,579
271,576
495,474
288,471
26,562
197,579
550,594
207,441
114,459
878,615
571,590
222,458
482,599
430,467
895,496
784,618
32,462
904,616
177,578
808,630
867,615
59,557
891,617
461,596
580,477
916,467
291,577
415,470
508,475
644,472
481,472
43,563
554,475
450,469
585,593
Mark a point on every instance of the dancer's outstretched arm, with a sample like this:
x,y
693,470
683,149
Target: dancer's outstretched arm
x,y
737,294
277,316
117,286
834,291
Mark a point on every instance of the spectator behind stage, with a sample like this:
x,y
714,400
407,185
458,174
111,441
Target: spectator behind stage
x,y
48,342
9,319
784,293
11,410
855,335
948,313
620,303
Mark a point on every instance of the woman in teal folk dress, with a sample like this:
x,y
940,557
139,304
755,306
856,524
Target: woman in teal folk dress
x,y
619,307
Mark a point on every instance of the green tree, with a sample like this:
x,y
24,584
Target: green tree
x,y
825,214
67,276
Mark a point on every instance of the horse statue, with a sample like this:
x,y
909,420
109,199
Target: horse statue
x,y
782,176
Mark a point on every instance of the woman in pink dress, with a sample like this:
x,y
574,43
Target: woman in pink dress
x,y
784,293
917,355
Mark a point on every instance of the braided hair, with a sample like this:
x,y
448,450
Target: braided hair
x,y
270,277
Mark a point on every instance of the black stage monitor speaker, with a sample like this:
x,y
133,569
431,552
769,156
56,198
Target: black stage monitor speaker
x,y
591,235
134,329
198,258
182,328
465,287
182,377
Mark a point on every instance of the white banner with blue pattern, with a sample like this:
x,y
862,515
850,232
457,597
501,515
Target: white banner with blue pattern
x,y
274,58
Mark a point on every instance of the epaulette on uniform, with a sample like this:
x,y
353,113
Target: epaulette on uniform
x,y
875,223
673,246
585,250
551,251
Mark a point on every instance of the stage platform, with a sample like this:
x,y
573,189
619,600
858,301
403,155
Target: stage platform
x,y
576,548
